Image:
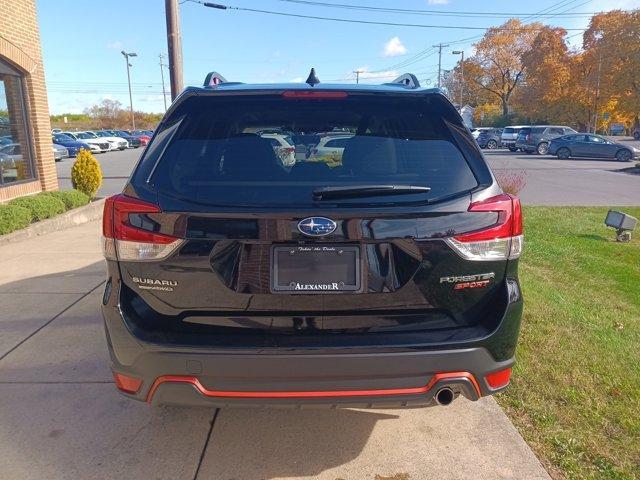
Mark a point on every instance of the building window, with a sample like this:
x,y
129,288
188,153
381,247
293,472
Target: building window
x,y
16,160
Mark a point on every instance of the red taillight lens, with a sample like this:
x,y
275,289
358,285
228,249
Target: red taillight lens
x,y
500,241
123,241
127,384
498,379
314,94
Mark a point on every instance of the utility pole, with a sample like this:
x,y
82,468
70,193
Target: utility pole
x,y
357,72
595,105
126,58
164,94
461,52
174,43
440,46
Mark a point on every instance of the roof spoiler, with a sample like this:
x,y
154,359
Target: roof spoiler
x,y
214,78
409,80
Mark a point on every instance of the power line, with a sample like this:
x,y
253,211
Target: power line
x,y
354,21
444,13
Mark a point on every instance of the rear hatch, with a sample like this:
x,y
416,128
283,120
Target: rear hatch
x,y
394,234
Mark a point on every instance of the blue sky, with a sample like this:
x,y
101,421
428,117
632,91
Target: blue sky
x,y
82,41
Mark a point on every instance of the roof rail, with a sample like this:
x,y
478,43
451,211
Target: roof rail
x,y
409,80
214,78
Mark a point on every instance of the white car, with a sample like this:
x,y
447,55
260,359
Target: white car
x,y
97,145
330,146
283,146
475,132
115,143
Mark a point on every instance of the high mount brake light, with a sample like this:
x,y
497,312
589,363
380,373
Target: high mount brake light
x,y
502,240
123,241
314,94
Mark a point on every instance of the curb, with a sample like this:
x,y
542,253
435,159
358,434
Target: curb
x,y
77,216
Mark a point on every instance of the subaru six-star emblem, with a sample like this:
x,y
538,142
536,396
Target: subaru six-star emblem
x,y
316,226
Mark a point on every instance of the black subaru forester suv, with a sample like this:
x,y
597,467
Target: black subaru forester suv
x,y
244,269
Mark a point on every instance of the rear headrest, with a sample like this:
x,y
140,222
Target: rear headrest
x,y
249,157
370,156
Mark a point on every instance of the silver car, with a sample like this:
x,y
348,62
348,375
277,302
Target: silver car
x,y
509,136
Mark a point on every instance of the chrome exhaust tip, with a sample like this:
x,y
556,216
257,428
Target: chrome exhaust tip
x,y
444,396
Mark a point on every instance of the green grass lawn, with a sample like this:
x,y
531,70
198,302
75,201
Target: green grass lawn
x,y
575,394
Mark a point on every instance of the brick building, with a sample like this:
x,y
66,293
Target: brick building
x,y
26,157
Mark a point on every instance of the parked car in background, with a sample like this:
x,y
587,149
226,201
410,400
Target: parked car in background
x,y
59,152
537,137
475,132
115,143
6,140
283,147
591,146
132,141
490,138
72,146
143,135
510,135
636,133
616,129
11,152
98,145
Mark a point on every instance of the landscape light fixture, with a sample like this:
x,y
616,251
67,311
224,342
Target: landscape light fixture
x,y
623,223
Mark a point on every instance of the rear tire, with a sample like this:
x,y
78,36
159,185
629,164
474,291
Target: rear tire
x,y
563,153
624,155
543,148
513,149
492,144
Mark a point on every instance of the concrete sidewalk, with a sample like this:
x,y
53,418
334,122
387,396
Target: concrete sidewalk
x,y
61,417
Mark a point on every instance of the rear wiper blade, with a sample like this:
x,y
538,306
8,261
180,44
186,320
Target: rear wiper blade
x,y
357,191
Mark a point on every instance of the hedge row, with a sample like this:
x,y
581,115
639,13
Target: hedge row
x,y
19,213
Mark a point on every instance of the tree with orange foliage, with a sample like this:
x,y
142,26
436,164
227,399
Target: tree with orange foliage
x,y
497,65
612,42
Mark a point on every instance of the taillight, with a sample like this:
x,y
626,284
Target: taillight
x,y
499,379
502,240
123,241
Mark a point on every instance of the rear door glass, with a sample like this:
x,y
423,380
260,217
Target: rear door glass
x,y
218,156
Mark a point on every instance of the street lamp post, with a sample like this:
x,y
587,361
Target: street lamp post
x,y
126,58
461,52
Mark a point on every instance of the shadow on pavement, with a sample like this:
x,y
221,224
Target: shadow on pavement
x,y
286,443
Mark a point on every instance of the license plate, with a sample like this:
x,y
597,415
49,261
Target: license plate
x,y
315,269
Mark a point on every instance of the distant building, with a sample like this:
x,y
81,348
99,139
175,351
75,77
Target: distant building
x,y
466,113
26,157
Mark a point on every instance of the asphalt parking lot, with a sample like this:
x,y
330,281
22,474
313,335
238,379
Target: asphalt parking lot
x,y
62,418
549,181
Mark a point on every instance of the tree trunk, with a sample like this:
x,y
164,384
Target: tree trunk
x,y
505,106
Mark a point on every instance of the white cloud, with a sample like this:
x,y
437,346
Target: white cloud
x,y
393,48
437,2
116,45
297,80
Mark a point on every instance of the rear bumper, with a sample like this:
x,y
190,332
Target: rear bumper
x,y
404,379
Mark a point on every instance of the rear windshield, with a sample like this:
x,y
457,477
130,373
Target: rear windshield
x,y
219,156
509,130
